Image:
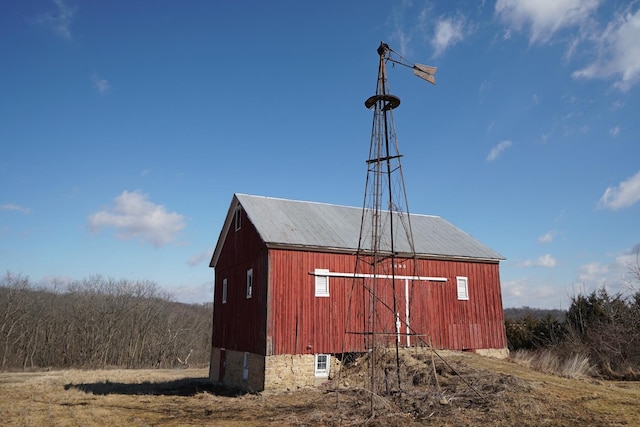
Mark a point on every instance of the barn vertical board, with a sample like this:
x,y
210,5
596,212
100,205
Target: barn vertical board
x,y
240,323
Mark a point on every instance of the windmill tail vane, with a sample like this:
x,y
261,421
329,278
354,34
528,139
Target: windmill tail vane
x,y
425,72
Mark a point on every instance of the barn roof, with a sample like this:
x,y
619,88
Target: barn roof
x,y
320,226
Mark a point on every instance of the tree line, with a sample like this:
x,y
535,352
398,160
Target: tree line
x,y
99,322
602,326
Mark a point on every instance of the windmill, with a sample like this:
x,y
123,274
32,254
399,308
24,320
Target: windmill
x,y
386,249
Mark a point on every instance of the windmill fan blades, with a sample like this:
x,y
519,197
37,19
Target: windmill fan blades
x,y
425,72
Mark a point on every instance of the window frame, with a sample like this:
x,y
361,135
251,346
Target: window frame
x,y
245,366
322,373
250,283
238,218
462,291
321,282
225,286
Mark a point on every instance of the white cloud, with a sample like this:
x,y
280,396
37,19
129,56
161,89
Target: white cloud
x,y
497,150
448,32
548,237
614,131
100,84
618,52
593,274
623,195
616,276
60,20
544,17
133,215
547,261
194,294
529,292
17,208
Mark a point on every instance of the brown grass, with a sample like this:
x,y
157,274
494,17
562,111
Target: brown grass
x,y
549,361
511,394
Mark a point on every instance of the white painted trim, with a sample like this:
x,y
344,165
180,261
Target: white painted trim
x,y
322,373
406,279
321,273
463,292
381,276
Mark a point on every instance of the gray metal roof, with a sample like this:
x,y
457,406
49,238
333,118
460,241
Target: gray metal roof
x,y
293,223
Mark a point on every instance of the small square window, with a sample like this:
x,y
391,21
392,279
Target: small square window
x,y
250,283
463,287
322,365
238,217
224,291
321,282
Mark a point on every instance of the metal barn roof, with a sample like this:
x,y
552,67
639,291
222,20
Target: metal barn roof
x,y
320,226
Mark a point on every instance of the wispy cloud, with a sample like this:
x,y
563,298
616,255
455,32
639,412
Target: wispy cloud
x,y
100,84
200,258
593,274
16,208
527,292
616,276
543,18
547,237
614,131
401,26
497,150
59,20
448,32
547,261
195,293
133,215
618,52
622,195
413,22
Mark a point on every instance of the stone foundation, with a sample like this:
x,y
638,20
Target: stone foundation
x,y
281,372
286,371
291,371
234,369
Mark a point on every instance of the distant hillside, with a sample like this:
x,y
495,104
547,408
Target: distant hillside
x,y
538,313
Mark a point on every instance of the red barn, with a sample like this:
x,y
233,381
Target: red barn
x,y
289,297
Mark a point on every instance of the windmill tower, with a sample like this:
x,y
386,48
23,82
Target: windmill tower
x,y
385,250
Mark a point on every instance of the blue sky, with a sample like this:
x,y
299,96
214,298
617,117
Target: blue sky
x,y
126,127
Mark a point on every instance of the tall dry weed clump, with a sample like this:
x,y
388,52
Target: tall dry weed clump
x,y
553,361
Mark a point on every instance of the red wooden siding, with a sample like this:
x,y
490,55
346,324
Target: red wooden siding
x,y
240,323
285,317
299,322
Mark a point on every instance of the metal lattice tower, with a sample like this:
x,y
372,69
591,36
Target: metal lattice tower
x,y
385,221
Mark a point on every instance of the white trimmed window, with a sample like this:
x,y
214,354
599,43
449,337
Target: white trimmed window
x,y
250,283
322,365
321,282
245,366
224,291
463,287
238,217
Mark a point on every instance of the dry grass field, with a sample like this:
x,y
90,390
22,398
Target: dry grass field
x,y
488,392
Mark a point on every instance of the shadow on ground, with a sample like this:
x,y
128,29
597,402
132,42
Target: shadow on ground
x,y
182,387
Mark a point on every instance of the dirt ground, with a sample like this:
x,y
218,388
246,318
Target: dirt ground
x,y
462,389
